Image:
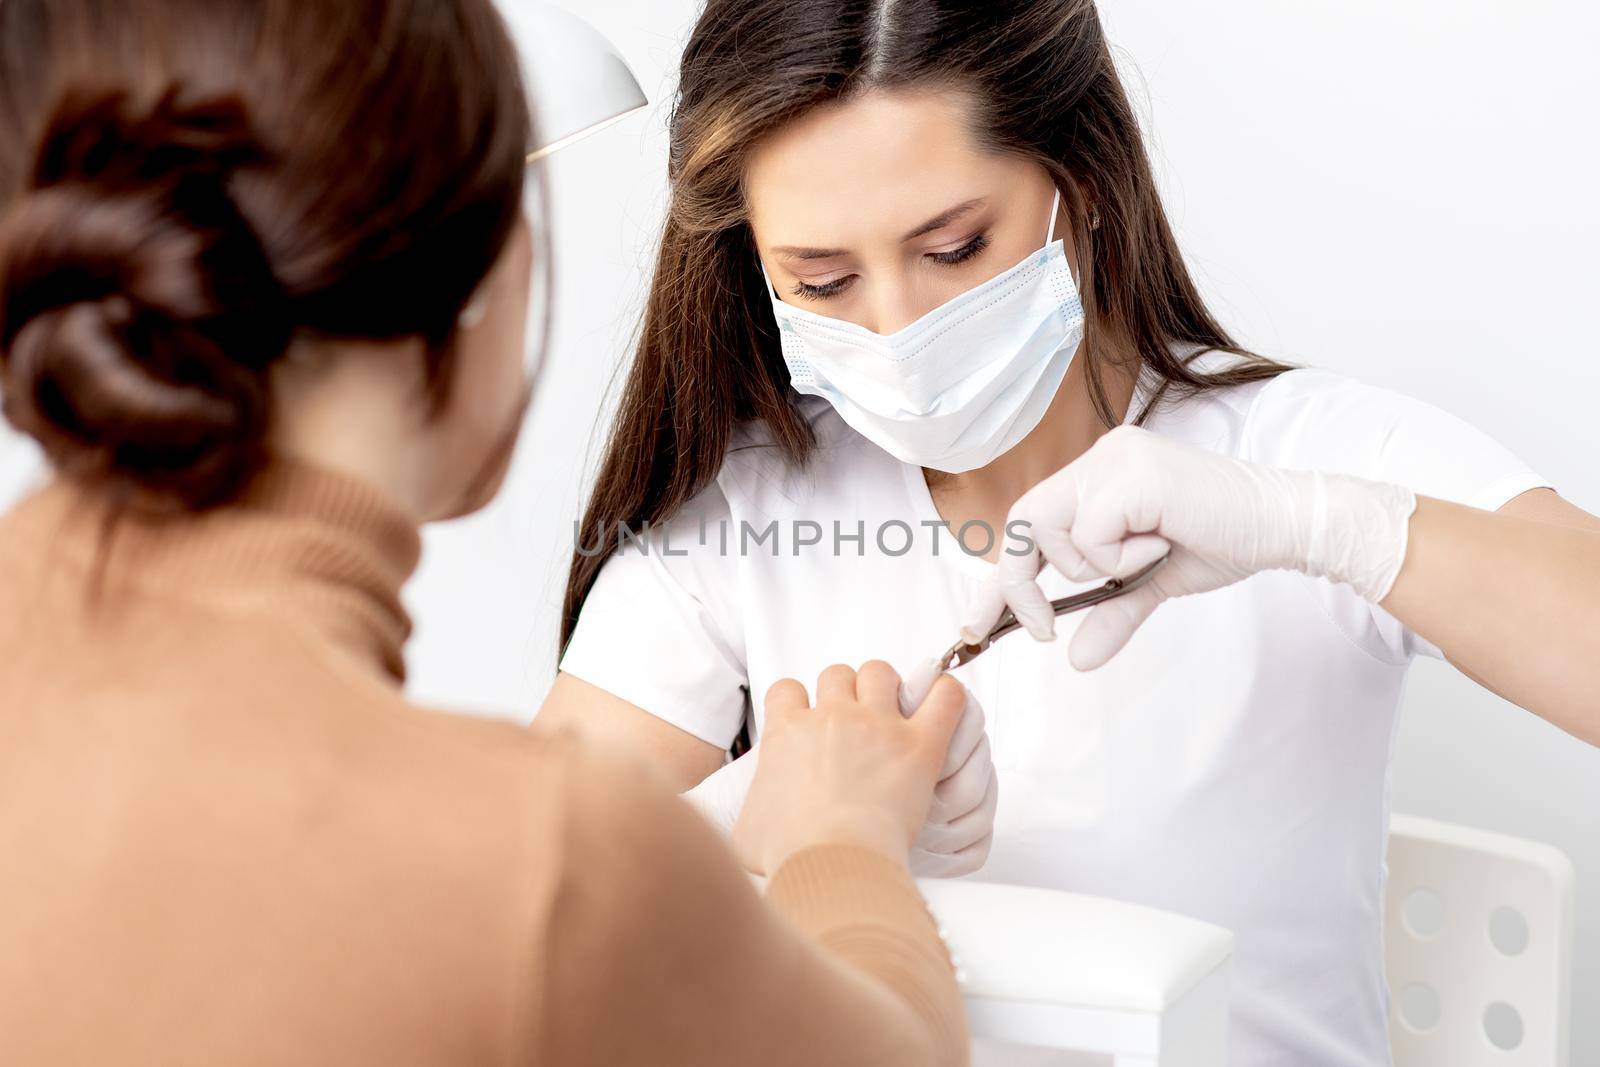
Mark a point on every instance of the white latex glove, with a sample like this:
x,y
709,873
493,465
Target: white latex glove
x,y
960,824
960,827
1134,494
720,795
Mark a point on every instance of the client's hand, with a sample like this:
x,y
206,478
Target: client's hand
x,y
851,771
959,829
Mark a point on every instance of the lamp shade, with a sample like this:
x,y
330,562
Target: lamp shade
x,y
577,81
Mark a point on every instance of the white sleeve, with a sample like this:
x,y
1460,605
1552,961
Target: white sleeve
x,y
1315,420
660,628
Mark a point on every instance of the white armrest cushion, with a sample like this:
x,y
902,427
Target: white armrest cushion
x,y
1021,943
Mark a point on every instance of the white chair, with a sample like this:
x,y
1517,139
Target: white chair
x,y
1126,985
1479,937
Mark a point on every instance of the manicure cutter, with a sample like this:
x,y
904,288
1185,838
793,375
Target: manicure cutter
x,y
961,652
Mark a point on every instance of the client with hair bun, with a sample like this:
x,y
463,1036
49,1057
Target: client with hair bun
x,y
263,302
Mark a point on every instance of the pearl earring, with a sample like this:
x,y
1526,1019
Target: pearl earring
x,y
474,313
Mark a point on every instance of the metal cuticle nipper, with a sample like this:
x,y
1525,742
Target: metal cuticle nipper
x,y
961,652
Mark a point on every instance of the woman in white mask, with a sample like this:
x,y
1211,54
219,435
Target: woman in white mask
x,y
916,288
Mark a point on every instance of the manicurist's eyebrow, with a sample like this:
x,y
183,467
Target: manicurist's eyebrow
x,y
794,252
944,218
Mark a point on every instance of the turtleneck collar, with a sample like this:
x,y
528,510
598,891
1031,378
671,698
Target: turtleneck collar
x,y
331,550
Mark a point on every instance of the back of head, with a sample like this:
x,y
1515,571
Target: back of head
x,y
187,185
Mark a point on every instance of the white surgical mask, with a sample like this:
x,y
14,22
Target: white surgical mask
x,y
961,385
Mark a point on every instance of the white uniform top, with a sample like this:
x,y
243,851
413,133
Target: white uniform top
x,y
1231,763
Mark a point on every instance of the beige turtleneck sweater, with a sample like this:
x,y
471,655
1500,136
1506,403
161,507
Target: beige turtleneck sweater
x,y
226,839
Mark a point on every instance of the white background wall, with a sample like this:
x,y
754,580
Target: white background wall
x,y
1403,190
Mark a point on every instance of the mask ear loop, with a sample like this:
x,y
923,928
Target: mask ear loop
x,y
1055,206
772,290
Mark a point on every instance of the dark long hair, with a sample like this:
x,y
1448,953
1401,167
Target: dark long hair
x,y
1041,77
185,185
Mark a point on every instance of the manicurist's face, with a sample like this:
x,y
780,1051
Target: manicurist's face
x,y
878,209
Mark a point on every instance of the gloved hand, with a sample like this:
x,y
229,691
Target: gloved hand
x,y
1134,494
960,824
960,827
720,795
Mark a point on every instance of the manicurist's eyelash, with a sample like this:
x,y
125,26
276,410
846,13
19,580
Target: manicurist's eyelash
x,y
823,291
962,254
949,259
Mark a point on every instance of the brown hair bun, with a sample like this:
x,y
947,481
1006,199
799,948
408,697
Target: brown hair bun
x,y
137,307
187,184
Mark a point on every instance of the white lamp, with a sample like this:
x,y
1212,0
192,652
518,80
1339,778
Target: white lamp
x,y
577,81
